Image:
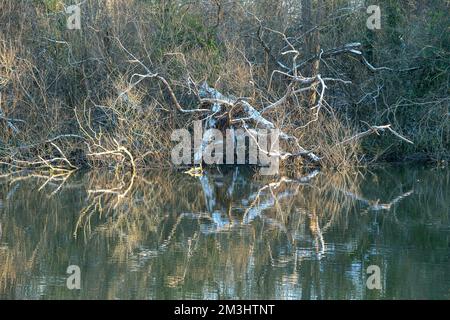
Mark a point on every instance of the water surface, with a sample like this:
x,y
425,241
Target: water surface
x,y
227,235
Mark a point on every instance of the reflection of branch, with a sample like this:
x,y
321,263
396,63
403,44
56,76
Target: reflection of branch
x,y
56,178
397,199
375,205
119,191
271,186
317,232
256,207
174,281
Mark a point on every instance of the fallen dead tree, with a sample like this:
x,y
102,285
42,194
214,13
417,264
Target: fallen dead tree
x,y
250,119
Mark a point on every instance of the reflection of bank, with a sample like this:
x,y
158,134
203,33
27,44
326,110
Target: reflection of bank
x,y
266,198
228,233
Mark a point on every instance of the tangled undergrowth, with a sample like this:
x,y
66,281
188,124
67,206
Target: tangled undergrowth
x,y
112,93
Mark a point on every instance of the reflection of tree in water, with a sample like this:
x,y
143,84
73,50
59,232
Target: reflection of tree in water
x,y
225,234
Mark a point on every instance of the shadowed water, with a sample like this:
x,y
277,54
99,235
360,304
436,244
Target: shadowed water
x,y
227,235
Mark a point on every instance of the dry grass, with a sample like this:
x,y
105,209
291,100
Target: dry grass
x,y
57,82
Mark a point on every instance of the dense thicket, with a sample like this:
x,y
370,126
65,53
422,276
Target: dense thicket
x,y
82,83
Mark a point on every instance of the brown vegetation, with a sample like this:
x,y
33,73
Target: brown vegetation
x,y
111,93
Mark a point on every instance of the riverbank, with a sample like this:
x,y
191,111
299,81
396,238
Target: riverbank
x,y
111,93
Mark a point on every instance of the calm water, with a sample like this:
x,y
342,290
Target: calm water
x,y
227,235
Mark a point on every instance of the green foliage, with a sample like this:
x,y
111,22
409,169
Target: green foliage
x,y
194,33
436,55
50,5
